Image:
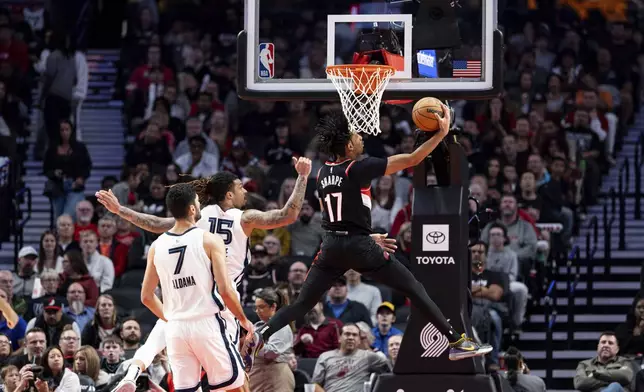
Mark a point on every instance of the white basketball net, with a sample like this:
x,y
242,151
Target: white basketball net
x,y
360,88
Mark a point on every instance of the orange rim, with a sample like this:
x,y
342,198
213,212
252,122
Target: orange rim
x,y
362,75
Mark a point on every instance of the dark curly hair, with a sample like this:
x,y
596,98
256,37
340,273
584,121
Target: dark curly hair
x,y
333,134
213,190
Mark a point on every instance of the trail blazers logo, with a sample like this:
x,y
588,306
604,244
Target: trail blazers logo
x,y
433,342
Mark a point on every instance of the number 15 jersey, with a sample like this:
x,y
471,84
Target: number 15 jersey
x,y
227,225
344,189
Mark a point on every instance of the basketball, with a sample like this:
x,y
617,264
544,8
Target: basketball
x,y
425,114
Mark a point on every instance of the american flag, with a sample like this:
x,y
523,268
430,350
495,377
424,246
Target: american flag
x,y
466,69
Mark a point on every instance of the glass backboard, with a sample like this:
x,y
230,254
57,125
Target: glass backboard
x,y
444,48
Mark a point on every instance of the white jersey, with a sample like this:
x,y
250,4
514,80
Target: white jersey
x,y
227,224
185,273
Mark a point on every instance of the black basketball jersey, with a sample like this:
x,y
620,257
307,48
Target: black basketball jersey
x,y
344,189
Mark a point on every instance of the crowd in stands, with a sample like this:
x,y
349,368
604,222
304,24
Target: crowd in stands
x,y
536,153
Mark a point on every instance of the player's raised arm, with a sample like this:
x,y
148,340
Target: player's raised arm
x,y
151,223
216,251
255,219
396,163
150,283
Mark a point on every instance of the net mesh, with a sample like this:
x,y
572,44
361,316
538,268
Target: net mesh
x,y
360,88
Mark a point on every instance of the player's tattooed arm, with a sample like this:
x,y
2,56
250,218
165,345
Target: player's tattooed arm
x,y
151,223
147,222
254,219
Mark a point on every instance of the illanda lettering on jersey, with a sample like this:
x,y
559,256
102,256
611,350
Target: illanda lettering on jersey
x,y
182,282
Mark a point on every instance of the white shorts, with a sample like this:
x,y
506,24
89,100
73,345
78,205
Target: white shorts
x,y
197,343
155,342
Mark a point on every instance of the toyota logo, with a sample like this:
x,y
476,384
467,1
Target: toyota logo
x,y
435,237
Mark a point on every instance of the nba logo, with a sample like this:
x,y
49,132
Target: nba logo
x,y
266,68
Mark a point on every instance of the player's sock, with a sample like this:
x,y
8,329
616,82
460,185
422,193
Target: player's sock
x,y
453,336
133,372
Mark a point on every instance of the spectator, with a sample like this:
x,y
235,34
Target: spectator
x,y
333,377
629,334
69,343
339,306
154,203
100,267
67,166
130,333
504,260
35,345
60,378
259,274
384,329
104,324
198,163
393,347
149,148
46,286
125,190
111,353
109,247
366,294
194,127
306,232
270,371
488,288
52,321
296,276
319,334
76,308
282,148
5,350
523,239
607,371
386,204
88,363
65,233
25,277
11,378
75,271
49,253
58,84
84,217
519,375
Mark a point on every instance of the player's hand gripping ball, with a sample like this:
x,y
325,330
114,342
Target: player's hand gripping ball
x,y
427,113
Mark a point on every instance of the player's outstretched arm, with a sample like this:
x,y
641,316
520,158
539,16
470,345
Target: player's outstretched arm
x,y
396,163
150,223
216,250
255,219
150,283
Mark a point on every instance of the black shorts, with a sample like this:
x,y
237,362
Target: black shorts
x,y
359,252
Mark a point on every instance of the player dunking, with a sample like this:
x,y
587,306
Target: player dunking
x,y
344,191
184,261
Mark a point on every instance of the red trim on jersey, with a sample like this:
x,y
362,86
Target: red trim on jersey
x,y
336,163
346,172
318,176
366,191
315,259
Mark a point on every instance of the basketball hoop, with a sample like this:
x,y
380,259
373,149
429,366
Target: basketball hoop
x,y
360,87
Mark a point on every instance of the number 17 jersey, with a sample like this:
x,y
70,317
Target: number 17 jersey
x,y
344,189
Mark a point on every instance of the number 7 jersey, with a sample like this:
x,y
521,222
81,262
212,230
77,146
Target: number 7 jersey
x,y
185,273
346,205
227,225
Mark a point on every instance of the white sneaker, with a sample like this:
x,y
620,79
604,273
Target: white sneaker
x,y
125,386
